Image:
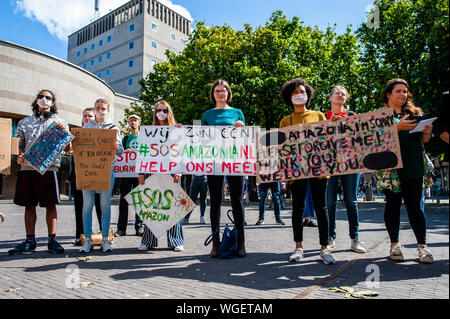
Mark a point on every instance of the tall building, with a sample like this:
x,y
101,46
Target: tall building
x,y
123,46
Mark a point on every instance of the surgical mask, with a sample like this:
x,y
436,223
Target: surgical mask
x,y
44,103
299,99
100,115
162,116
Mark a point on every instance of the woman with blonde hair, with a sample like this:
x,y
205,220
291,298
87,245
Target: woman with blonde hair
x,y
163,115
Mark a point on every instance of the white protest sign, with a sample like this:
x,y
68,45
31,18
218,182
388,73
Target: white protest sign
x,y
197,150
160,202
125,165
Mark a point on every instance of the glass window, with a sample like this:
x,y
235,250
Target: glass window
x,y
173,36
131,45
130,82
85,50
154,27
100,43
78,54
92,62
183,41
131,27
108,38
100,59
153,62
108,72
84,66
154,45
100,75
108,55
92,46
130,63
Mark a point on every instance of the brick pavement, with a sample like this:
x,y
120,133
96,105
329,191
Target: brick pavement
x,y
263,274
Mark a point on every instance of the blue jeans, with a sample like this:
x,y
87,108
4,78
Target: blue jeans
x,y
276,193
199,184
105,204
349,187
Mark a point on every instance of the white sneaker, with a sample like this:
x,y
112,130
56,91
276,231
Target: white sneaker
x,y
87,246
142,247
178,248
396,253
358,247
331,243
296,255
202,220
425,255
106,247
326,257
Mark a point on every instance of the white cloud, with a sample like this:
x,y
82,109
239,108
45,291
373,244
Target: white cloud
x,y
62,18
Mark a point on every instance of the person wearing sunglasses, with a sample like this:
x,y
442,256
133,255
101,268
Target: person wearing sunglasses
x,y
225,115
32,188
163,115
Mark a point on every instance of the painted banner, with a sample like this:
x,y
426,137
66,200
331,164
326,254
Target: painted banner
x,y
5,146
47,147
94,154
125,165
160,202
197,150
356,144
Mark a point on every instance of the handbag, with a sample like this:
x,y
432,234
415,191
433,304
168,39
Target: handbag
x,y
97,238
228,244
387,179
428,175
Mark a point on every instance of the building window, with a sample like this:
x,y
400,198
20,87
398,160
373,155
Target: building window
x,y
100,75
173,37
131,27
85,50
108,55
100,59
107,72
154,27
84,66
100,43
130,63
153,62
183,42
92,62
92,46
78,54
130,82
108,38
131,45
154,45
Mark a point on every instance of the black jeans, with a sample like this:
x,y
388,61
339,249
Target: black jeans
x,y
236,185
126,186
78,203
318,190
411,194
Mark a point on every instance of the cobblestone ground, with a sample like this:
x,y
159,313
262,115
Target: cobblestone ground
x,y
264,274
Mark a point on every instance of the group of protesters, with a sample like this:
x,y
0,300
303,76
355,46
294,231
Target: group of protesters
x,y
33,189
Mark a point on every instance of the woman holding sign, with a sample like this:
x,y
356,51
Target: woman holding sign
x,y
297,94
163,116
101,110
338,98
396,95
224,115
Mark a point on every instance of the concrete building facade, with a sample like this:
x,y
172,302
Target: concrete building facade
x,y
24,72
123,46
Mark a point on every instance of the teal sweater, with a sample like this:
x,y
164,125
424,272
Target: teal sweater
x,y
226,117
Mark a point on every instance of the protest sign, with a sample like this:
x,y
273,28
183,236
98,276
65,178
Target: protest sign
x,y
359,143
14,146
94,154
125,165
5,146
47,147
160,202
197,150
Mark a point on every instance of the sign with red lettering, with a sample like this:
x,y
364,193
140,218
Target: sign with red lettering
x,y
197,150
356,144
125,165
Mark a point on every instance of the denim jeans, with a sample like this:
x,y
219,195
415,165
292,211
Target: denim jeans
x,y
199,184
276,193
105,204
349,187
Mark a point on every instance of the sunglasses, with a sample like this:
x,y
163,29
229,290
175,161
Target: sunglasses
x,y
164,111
48,98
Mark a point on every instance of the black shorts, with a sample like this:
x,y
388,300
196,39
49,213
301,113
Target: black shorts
x,y
33,188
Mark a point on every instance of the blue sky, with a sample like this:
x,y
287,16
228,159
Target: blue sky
x,y
16,27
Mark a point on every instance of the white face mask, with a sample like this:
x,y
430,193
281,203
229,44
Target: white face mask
x,y
100,115
299,99
162,116
44,103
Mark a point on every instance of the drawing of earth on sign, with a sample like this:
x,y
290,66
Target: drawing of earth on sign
x,y
160,202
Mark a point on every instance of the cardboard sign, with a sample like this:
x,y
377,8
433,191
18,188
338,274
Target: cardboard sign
x,y
160,202
94,154
5,146
197,150
14,146
356,144
125,165
47,147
